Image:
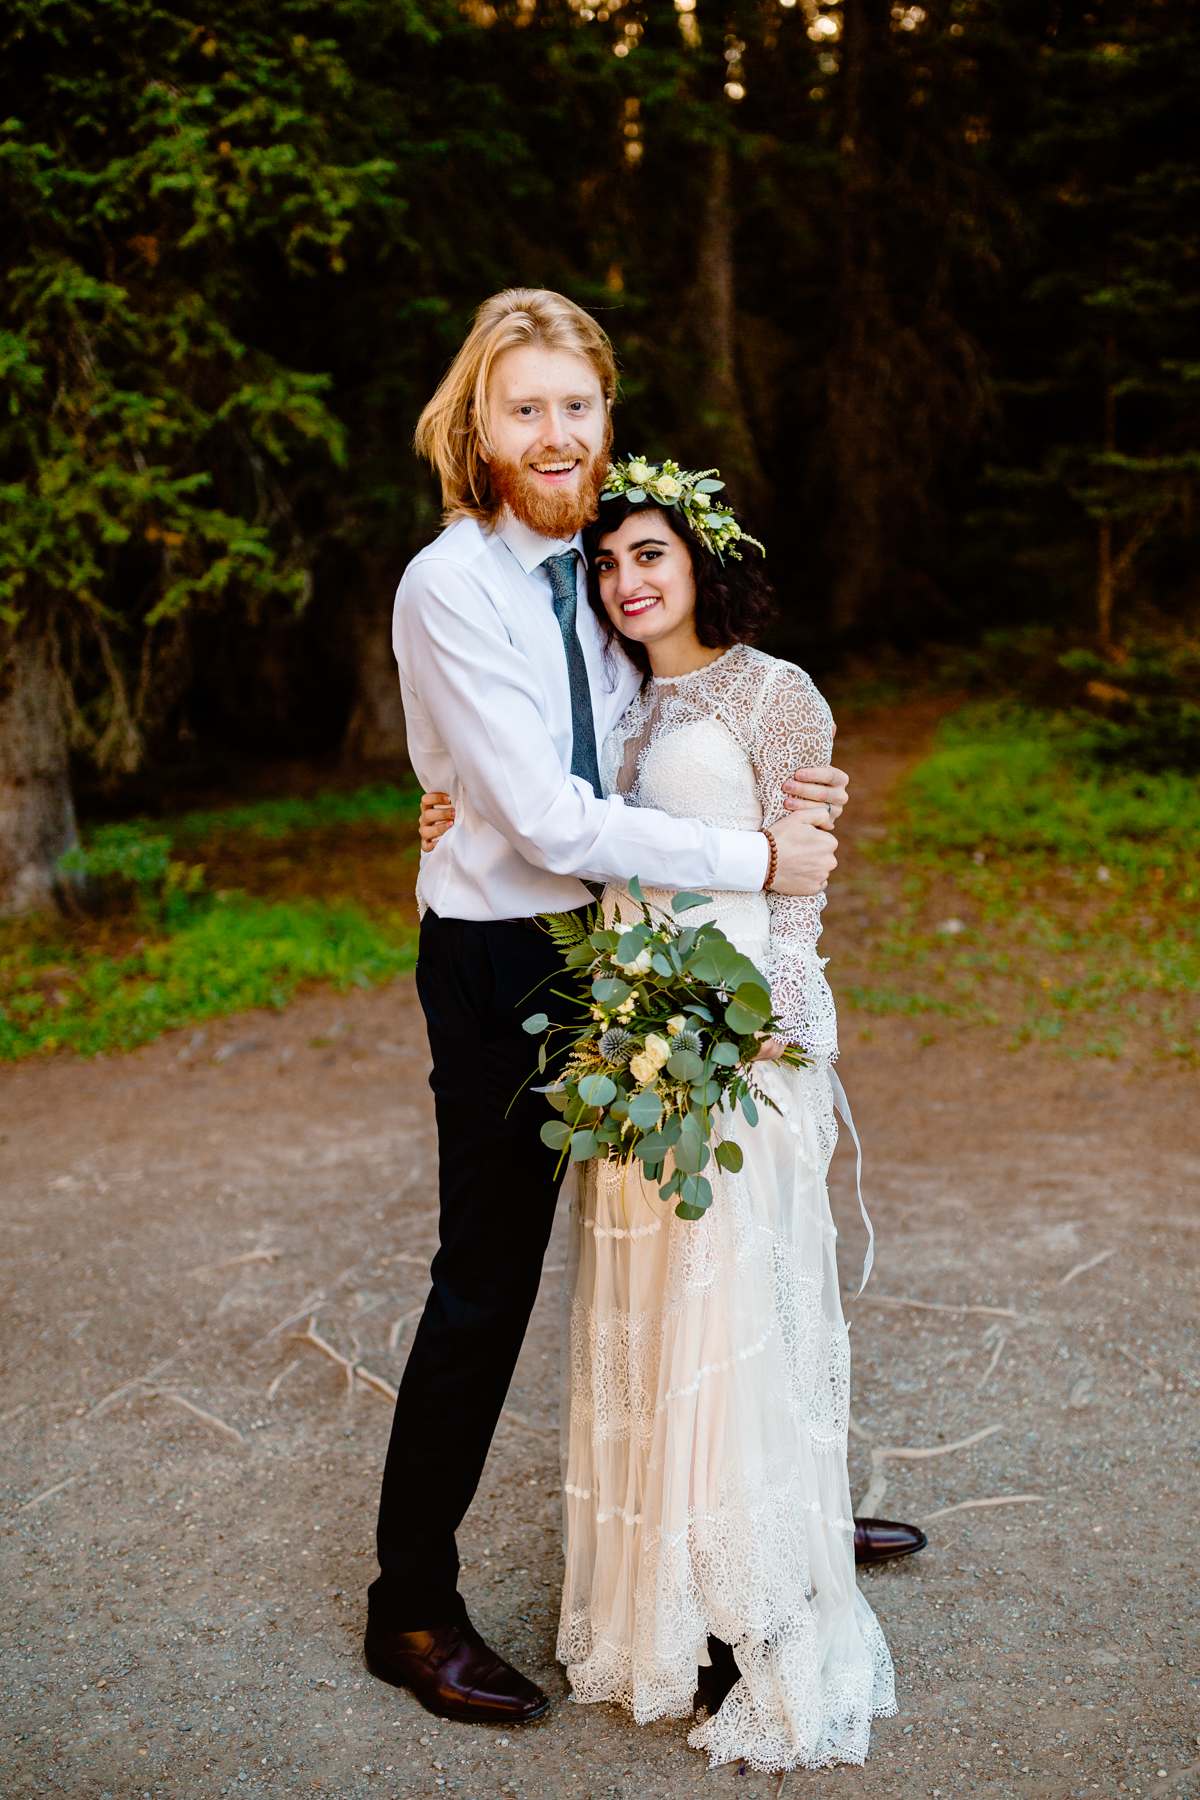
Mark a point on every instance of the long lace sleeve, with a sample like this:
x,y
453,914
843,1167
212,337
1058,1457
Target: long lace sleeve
x,y
794,729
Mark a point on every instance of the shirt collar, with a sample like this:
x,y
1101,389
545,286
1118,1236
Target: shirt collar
x,y
529,547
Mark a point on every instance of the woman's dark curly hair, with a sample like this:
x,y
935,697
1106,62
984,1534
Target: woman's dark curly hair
x,y
734,599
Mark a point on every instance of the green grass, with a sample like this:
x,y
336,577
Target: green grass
x,y
1022,885
234,954
379,804
165,952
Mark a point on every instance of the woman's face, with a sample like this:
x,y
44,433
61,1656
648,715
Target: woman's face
x,y
644,573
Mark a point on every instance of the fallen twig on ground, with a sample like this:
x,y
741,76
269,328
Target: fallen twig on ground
x,y
1092,1262
282,1377
232,1262
351,1368
999,1312
399,1324
1000,1338
882,1453
1141,1363
992,1500
126,1387
47,1492
315,1299
230,1431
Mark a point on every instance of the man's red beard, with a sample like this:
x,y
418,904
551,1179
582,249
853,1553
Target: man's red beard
x,y
552,512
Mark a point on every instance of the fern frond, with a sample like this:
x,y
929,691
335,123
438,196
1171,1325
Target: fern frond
x,y
567,929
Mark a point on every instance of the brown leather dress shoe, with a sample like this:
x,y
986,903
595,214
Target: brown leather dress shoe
x,y
454,1674
882,1540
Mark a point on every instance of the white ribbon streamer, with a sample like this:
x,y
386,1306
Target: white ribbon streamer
x,y
843,1106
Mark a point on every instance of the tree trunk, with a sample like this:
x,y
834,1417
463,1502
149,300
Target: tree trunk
x,y
375,735
37,816
860,380
726,435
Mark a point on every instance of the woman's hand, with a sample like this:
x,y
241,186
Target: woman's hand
x,y
819,794
770,1050
437,816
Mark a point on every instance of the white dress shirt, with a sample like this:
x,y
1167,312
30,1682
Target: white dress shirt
x,y
487,704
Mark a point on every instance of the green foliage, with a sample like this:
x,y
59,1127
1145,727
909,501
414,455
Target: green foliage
x,y
156,173
120,862
379,803
1010,780
1024,885
238,953
636,1079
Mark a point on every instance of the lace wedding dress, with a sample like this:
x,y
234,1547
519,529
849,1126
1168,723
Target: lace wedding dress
x,y
705,1433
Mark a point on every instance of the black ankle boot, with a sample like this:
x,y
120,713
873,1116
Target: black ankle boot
x,y
715,1682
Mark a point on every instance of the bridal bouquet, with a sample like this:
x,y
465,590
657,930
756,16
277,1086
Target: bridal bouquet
x,y
671,1018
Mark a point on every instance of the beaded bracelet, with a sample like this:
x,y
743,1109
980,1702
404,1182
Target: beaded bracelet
x,y
772,861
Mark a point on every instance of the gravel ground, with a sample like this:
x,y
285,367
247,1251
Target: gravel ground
x,y
189,1482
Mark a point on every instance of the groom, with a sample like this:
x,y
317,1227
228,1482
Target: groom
x,y
508,692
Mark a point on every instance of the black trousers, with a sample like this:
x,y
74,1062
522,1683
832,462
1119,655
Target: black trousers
x,y
497,1191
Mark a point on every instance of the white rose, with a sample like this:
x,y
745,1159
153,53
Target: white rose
x,y
643,1068
638,472
676,1025
658,1048
667,488
702,501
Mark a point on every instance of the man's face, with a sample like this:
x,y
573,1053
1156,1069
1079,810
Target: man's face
x,y
549,428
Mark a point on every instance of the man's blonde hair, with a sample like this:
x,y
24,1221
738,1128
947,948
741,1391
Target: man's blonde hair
x,y
452,432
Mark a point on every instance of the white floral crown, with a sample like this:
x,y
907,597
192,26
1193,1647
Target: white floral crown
x,y
691,490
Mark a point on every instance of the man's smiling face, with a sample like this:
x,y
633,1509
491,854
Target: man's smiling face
x,y
549,431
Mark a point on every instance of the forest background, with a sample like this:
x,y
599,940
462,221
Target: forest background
x,y
924,280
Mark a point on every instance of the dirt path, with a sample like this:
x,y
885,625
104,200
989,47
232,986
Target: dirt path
x,y
189,1486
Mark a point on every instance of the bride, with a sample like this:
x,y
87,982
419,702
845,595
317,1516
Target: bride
x,y
708,1522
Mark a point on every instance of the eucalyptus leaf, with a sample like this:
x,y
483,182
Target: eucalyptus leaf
x,y
755,999
729,1155
724,1053
696,1190
645,1109
534,1023
705,1093
597,1090
635,888
738,1019
700,1011
709,486
651,1148
541,1059
635,496
583,1145
660,965
750,1110
685,1065
610,992
631,943
685,901
555,1134
689,1151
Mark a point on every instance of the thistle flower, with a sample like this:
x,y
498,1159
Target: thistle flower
x,y
617,1046
688,1040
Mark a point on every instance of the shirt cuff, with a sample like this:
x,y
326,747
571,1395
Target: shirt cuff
x,y
743,862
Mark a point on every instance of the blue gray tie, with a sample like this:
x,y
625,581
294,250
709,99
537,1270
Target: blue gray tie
x,y
561,570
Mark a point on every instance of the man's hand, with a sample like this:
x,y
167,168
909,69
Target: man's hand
x,y
437,816
818,795
807,855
